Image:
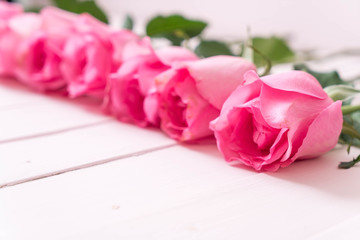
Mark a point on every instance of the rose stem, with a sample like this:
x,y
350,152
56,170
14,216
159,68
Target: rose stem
x,y
350,109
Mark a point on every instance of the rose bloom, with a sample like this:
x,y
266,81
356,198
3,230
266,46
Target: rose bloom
x,y
32,53
38,56
270,122
91,52
23,48
7,47
132,94
191,94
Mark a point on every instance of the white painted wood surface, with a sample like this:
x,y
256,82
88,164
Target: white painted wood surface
x,y
69,172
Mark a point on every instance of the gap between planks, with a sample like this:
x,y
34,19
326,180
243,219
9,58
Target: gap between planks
x,y
86,165
54,132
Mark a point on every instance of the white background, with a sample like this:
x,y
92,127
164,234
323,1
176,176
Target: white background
x,y
309,24
325,24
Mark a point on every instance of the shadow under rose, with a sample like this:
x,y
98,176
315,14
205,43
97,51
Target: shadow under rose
x,y
207,146
323,173
85,103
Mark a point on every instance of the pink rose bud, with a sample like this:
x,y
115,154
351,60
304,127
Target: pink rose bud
x,y
192,94
91,53
270,122
132,94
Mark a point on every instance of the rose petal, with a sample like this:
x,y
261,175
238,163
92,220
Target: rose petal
x,y
283,109
86,65
296,81
53,16
323,133
9,43
140,47
230,140
120,39
86,23
170,55
241,95
25,24
151,108
38,63
8,10
216,77
198,111
148,69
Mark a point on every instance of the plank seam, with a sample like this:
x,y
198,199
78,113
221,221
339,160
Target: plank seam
x,y
86,165
54,132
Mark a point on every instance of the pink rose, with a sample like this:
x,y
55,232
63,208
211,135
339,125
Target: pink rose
x,y
192,94
123,42
8,10
32,52
38,63
132,94
7,44
270,122
33,55
58,24
91,53
18,28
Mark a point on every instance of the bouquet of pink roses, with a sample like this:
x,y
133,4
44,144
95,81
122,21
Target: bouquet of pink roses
x,y
264,122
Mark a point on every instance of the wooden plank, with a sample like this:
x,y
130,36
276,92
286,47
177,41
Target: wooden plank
x,y
13,93
66,151
45,115
37,120
26,114
348,230
184,192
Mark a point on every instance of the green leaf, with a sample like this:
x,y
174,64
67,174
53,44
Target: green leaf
x,y
208,48
325,78
347,165
341,92
175,28
351,121
175,40
85,6
348,109
33,9
274,48
128,23
250,52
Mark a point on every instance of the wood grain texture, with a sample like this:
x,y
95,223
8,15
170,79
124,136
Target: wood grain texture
x,y
75,149
185,192
27,114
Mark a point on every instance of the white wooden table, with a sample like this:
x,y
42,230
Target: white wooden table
x,y
69,172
